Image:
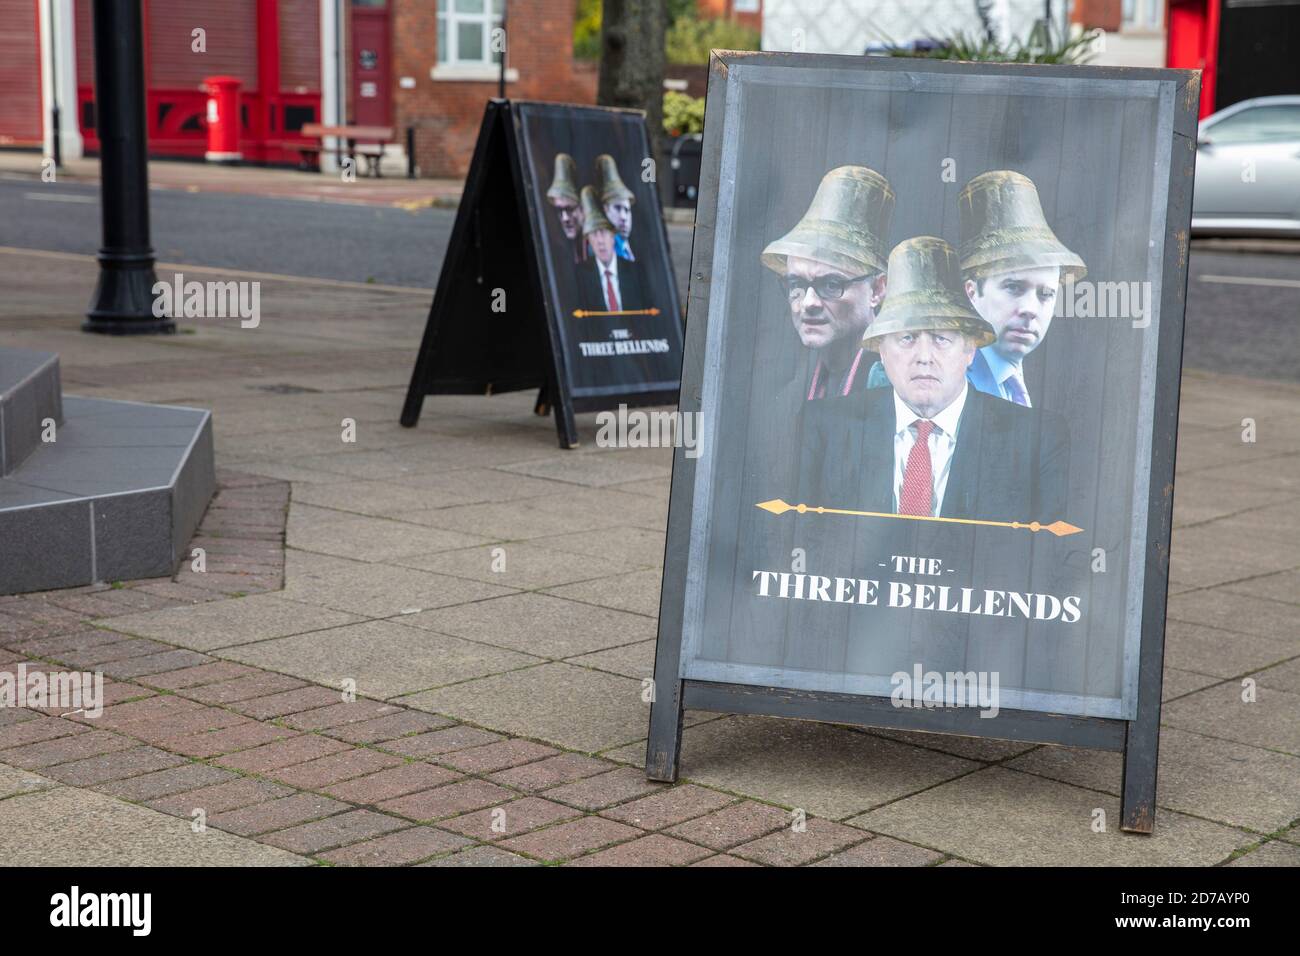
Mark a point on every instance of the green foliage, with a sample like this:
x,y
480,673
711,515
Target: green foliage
x,y
1041,46
586,31
683,113
690,39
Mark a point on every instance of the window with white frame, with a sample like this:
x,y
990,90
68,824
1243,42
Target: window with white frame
x,y
465,32
1142,15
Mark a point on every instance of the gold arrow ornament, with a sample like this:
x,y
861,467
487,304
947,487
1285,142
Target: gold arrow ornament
x,y
779,507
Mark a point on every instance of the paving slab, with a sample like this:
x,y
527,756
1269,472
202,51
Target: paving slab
x,y
384,658
632,660
1271,721
1281,677
569,706
822,769
1270,854
244,620
1006,818
376,499
96,830
474,485
1283,587
1205,556
1220,653
373,539
538,624
1219,780
987,749
634,546
1220,607
378,590
599,467
14,781
637,592
518,520
1178,683
516,564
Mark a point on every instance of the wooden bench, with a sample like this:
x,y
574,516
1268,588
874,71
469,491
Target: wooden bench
x,y
368,141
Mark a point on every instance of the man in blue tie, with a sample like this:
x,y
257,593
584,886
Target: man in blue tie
x,y
1013,266
616,200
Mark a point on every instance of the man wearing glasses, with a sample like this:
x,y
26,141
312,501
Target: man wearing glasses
x,y
832,267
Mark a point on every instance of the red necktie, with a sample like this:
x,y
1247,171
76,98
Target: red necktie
x,y
610,295
918,479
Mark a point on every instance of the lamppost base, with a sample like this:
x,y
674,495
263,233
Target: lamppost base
x,y
124,297
107,326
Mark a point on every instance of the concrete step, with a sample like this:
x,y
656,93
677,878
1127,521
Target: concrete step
x,y
29,395
115,497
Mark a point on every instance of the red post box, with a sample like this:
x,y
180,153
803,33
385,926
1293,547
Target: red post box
x,y
223,119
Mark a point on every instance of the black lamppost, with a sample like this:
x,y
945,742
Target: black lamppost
x,y
123,302
501,75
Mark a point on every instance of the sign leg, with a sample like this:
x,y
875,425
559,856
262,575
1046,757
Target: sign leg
x,y
1138,803
565,425
542,407
665,744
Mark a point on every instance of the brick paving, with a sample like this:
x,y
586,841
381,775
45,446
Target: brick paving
x,y
353,783
517,743
363,782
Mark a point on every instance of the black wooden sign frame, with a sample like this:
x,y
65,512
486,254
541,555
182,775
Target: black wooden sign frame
x,y
1136,739
497,244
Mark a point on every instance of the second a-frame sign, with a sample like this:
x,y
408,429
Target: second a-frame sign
x,y
558,275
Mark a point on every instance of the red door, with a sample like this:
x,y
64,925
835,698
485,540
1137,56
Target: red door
x,y
371,75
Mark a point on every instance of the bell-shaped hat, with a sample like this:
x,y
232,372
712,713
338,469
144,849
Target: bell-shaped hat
x,y
926,294
593,213
609,184
844,227
564,186
1002,228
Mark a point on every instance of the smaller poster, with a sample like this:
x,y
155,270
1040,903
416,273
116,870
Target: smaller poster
x,y
604,248
558,275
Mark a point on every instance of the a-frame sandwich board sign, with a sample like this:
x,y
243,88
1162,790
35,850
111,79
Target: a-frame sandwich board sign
x,y
800,579
557,275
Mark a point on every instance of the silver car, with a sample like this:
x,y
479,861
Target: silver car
x,y
1248,169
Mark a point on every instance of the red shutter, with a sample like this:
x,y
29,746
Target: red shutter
x,y
20,74
300,46
231,33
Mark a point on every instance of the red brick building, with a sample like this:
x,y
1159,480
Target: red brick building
x,y
427,64
444,69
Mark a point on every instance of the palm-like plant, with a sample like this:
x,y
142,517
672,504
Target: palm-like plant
x,y
1043,45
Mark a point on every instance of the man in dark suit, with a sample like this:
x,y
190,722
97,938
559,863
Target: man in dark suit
x,y
931,445
607,283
